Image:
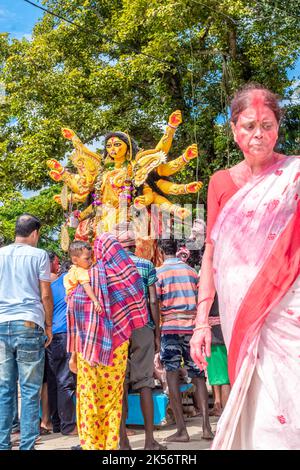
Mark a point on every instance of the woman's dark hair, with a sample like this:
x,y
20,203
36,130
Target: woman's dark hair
x,y
122,136
241,100
26,224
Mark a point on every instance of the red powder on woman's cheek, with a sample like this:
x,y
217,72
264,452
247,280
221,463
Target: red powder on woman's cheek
x,y
242,137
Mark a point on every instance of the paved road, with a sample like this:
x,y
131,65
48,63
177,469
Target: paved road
x,y
60,442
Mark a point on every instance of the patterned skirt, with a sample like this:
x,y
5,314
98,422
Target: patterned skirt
x,y
99,401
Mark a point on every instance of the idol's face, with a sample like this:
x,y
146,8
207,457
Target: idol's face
x,y
116,148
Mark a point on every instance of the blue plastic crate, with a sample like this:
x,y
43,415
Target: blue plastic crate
x,y
160,402
135,416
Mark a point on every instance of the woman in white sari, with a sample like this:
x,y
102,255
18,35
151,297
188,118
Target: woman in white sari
x,y
252,259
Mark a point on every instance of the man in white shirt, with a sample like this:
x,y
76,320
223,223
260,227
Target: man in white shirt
x,y
26,307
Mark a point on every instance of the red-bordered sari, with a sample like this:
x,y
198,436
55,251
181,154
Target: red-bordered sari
x,y
256,272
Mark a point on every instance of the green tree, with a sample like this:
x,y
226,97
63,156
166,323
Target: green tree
x,y
120,64
43,207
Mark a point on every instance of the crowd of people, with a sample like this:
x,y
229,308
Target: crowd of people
x,y
98,325
111,316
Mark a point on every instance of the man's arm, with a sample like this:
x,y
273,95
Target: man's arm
x,y
47,301
153,303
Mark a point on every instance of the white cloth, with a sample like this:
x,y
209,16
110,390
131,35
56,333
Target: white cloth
x,y
21,268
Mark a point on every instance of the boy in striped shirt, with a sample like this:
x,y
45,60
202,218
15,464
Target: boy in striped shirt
x,y
177,294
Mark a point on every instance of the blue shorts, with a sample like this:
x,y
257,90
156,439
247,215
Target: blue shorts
x,y
174,349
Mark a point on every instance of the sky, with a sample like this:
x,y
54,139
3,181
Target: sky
x,y
18,17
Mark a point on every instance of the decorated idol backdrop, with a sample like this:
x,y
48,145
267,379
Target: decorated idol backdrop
x,y
123,184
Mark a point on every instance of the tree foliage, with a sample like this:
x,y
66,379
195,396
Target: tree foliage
x,y
120,64
41,206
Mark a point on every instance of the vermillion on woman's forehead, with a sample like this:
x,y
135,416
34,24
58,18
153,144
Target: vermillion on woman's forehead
x,y
254,95
257,98
258,108
260,115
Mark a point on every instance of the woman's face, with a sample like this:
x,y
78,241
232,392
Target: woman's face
x,y
116,148
256,130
